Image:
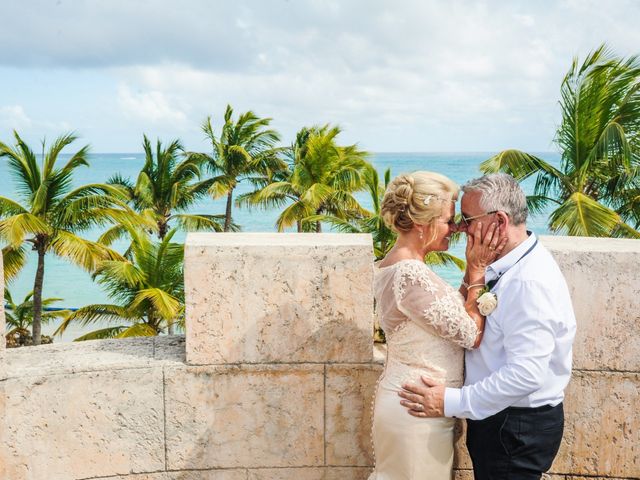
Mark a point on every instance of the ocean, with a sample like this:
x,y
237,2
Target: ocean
x,y
75,287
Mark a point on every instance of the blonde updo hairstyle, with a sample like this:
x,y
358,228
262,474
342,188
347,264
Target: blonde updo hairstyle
x,y
417,198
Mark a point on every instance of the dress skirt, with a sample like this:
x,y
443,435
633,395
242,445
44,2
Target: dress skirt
x,y
407,447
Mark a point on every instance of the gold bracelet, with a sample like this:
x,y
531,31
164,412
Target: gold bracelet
x,y
475,285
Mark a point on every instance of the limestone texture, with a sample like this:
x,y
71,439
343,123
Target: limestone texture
x,y
81,425
461,457
280,336
313,473
233,474
602,275
260,298
244,416
602,428
348,397
2,329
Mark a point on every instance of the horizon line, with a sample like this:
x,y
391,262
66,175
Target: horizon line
x,y
373,152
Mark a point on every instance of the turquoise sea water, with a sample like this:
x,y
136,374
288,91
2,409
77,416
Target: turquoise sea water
x,y
75,287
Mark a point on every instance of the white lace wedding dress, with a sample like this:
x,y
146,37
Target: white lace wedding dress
x,y
427,329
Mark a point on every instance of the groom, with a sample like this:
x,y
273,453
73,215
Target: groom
x,y
515,380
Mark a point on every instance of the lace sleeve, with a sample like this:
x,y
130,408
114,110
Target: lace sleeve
x,y
425,298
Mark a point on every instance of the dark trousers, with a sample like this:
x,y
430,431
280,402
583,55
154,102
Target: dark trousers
x,y
516,443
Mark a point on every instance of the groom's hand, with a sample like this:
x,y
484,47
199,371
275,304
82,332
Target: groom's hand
x,y
425,400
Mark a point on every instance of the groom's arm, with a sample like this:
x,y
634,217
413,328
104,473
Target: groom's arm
x,y
529,341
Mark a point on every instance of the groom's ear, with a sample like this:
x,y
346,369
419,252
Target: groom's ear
x,y
503,220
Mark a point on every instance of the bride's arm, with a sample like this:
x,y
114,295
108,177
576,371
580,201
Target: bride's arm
x,y
480,252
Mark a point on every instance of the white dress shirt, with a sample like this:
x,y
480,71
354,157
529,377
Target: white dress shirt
x,y
524,359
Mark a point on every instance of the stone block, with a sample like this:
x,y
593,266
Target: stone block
x,y
602,275
244,416
223,474
74,426
261,297
233,474
602,426
2,326
310,473
77,357
461,457
463,474
349,395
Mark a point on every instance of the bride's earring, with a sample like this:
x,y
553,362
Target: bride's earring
x,y
420,236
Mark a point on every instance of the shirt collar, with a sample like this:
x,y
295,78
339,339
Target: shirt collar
x,y
500,266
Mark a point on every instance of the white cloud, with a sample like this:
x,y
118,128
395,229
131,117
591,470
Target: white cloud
x,y
153,106
420,68
14,117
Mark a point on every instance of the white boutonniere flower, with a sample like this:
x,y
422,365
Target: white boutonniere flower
x,y
487,302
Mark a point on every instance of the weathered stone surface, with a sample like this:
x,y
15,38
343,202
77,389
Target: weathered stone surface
x,y
95,355
259,298
602,428
2,329
463,475
79,425
349,395
461,457
169,348
310,473
602,275
244,416
232,474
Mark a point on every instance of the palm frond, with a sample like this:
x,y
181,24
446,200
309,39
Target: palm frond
x,y
138,330
102,334
444,259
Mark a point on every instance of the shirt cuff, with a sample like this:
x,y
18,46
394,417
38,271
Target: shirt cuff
x,y
452,400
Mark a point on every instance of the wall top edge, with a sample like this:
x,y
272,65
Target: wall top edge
x,y
200,239
590,244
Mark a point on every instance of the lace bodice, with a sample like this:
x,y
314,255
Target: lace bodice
x,y
425,323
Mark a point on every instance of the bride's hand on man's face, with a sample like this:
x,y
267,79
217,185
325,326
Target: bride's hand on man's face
x,y
484,245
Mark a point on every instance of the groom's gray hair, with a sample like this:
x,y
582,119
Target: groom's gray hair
x,y
500,191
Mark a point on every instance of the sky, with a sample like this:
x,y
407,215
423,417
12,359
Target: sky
x,y
395,75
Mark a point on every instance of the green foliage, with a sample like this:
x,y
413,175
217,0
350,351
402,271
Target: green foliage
x,y
320,180
596,190
244,148
20,316
166,185
49,213
148,288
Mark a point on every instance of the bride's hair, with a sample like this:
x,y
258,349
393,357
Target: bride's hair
x,y
416,198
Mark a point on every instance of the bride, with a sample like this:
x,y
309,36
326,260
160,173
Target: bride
x,y
426,322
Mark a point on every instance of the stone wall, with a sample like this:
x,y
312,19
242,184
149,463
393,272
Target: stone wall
x,y
275,377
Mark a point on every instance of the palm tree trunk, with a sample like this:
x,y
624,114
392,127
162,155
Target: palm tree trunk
x,y
170,327
227,215
318,227
299,223
162,229
36,332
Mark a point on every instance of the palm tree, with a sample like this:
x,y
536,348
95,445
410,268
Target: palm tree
x,y
383,237
19,317
596,190
164,186
52,213
245,147
320,181
148,288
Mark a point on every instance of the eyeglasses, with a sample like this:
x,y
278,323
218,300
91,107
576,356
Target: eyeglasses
x,y
466,220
